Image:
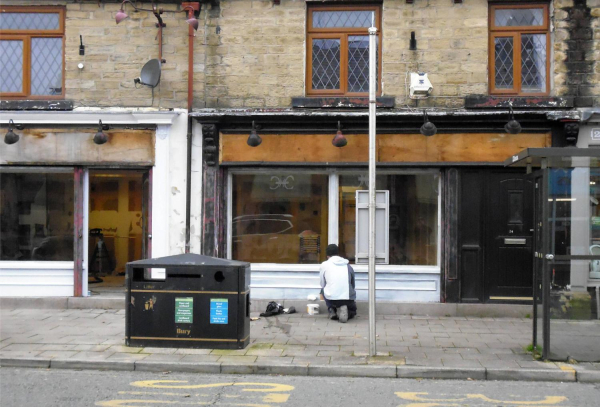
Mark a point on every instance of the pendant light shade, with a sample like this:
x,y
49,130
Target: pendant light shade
x,y
339,140
428,128
100,137
254,139
121,15
11,137
513,126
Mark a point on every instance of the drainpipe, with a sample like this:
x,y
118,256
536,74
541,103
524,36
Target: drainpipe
x,y
192,7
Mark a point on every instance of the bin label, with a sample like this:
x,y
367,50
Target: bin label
x,y
219,311
184,310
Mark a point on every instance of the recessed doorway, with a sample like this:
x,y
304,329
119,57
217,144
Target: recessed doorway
x,y
118,225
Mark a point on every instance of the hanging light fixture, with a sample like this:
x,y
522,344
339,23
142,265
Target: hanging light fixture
x,y
121,15
254,139
191,20
100,137
513,126
339,140
428,128
11,137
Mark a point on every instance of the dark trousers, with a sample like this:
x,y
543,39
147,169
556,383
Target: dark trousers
x,y
335,304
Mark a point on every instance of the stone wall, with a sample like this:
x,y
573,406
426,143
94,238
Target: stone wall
x,y
251,53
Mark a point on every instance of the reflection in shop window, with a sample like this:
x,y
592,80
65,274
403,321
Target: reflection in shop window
x,y
280,217
36,216
413,224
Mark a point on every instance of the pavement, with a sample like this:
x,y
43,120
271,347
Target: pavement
x,y
408,346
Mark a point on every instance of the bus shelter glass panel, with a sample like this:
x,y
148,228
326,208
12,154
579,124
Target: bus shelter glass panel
x,y
279,217
573,220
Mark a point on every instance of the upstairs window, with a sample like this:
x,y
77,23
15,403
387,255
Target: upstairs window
x,y
32,52
338,49
519,44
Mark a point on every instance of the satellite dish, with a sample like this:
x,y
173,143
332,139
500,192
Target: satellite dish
x,y
150,75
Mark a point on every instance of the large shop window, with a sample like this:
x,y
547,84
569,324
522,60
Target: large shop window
x,y
36,215
338,49
279,217
413,223
32,52
519,49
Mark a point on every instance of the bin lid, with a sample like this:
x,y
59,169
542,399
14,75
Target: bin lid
x,y
189,259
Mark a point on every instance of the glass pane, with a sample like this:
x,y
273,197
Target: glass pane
x,y
574,219
279,217
29,21
503,56
343,19
533,62
326,64
519,17
413,230
115,221
46,66
358,63
36,216
11,66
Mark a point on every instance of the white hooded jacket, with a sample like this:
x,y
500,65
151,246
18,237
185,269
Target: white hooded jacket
x,y
337,279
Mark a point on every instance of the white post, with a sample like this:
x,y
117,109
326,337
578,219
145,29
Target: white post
x,y
372,186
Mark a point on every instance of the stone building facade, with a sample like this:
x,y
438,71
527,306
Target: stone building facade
x,y
257,66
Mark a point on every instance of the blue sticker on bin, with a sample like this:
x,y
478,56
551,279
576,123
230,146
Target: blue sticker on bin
x,y
219,311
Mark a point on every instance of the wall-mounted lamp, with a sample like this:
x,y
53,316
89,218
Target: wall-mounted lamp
x,y
100,137
339,140
11,137
192,9
428,128
513,126
254,139
121,15
413,42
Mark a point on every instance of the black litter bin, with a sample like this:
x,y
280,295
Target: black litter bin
x,y
204,302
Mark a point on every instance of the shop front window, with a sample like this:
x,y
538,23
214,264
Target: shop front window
x,y
413,216
36,215
279,217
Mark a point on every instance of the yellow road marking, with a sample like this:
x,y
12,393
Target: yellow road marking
x,y
132,403
170,384
276,398
416,396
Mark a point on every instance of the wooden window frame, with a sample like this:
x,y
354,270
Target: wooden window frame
x,y
516,32
26,36
342,34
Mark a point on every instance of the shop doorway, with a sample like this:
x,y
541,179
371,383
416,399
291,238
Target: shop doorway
x,y
496,236
118,225
509,237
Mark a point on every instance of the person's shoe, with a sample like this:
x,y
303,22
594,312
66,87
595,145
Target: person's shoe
x,y
343,314
332,314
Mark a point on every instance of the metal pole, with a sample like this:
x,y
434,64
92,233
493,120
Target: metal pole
x,y
372,186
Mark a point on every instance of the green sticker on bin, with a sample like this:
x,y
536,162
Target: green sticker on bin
x,y
184,310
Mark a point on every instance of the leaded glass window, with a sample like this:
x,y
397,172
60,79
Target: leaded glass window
x,y
519,37
32,52
339,49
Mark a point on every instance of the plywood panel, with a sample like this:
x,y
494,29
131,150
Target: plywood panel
x,y
464,147
296,148
69,146
299,148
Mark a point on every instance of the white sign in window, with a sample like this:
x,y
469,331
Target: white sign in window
x,y
382,216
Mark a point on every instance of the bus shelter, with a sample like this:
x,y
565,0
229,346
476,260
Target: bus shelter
x,y
566,271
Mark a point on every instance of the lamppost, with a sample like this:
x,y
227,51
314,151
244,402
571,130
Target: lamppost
x,y
372,186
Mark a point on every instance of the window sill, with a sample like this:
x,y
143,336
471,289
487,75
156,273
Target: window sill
x,y
36,105
494,102
327,102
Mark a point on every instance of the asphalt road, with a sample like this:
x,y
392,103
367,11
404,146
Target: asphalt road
x,y
45,387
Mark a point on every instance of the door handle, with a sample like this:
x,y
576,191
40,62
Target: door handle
x,y
549,257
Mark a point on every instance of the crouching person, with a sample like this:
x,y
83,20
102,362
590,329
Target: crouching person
x,y
338,285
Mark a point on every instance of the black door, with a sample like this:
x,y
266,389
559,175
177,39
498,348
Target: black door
x,y
508,235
